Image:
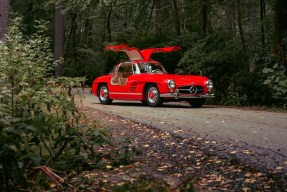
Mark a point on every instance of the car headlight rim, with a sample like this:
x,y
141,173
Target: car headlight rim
x,y
171,84
209,84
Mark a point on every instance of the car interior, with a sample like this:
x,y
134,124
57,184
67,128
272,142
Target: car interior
x,y
121,77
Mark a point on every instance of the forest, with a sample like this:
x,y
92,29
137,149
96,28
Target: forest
x,y
239,44
48,46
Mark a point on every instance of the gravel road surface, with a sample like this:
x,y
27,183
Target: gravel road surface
x,y
259,137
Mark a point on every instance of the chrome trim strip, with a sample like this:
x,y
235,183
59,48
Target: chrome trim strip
x,y
119,93
186,96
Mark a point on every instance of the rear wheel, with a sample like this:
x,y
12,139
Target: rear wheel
x,y
196,103
104,94
153,96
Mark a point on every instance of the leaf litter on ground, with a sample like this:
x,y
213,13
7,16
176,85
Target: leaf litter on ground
x,y
173,163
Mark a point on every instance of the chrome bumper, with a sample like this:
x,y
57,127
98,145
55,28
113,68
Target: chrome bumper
x,y
178,95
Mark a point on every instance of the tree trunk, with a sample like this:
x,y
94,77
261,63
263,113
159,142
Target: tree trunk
x,y
176,17
204,11
4,15
262,20
239,22
240,28
109,22
150,17
229,9
280,22
59,40
281,29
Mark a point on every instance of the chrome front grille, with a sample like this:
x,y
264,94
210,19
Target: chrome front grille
x,y
190,90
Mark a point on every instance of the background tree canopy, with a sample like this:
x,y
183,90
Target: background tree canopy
x,y
241,45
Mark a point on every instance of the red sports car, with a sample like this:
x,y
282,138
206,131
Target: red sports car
x,y
146,80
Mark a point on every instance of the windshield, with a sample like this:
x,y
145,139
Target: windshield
x,y
151,68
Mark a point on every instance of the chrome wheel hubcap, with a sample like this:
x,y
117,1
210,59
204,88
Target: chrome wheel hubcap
x,y
153,95
104,93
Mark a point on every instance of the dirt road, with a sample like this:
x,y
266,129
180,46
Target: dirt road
x,y
259,137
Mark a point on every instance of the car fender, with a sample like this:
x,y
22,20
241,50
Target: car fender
x,y
98,81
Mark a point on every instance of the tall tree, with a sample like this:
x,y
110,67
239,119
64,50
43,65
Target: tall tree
x,y
59,39
176,17
230,18
241,32
150,17
111,6
280,22
262,21
239,22
4,13
204,10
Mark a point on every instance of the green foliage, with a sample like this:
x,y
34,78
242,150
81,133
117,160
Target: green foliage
x,y
216,58
213,55
224,62
186,41
241,92
39,121
275,75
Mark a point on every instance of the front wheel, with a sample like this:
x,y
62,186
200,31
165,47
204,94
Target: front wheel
x,y
196,103
104,95
153,96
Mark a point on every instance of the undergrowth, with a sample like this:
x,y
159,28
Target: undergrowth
x,y
42,139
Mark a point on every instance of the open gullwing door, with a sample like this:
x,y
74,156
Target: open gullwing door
x,y
146,53
136,54
132,52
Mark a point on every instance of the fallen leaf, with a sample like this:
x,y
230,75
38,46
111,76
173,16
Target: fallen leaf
x,y
279,168
189,168
259,174
248,174
52,185
246,151
245,189
177,175
217,162
120,183
109,167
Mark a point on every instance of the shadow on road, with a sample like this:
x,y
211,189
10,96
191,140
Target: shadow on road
x,y
178,105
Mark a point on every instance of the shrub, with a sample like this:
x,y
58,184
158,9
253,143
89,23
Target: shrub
x,y
39,121
216,58
275,77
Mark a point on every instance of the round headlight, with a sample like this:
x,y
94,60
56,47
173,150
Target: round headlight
x,y
209,84
171,84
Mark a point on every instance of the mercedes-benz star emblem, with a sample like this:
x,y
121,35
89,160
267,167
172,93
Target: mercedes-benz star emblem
x,y
193,90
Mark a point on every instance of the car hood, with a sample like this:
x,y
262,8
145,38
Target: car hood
x,y
182,80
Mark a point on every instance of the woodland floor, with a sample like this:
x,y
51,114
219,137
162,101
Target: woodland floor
x,y
170,163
